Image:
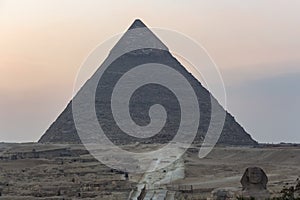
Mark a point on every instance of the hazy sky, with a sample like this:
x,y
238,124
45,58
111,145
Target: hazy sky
x,y
255,43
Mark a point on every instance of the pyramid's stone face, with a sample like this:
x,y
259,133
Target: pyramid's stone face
x,y
63,129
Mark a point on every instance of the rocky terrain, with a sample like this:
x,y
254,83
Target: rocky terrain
x,y
32,171
224,166
60,171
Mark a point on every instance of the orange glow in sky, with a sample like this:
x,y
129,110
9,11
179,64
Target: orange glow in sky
x,y
43,43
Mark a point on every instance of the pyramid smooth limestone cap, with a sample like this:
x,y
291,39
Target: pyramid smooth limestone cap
x,y
137,24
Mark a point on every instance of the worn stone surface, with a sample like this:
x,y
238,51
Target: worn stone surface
x,y
223,194
254,182
297,188
63,129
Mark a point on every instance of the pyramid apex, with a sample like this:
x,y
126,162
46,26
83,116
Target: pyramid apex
x,y
137,24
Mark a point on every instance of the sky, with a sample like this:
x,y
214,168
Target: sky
x,y
255,44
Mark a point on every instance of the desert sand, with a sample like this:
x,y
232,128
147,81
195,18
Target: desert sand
x,y
63,171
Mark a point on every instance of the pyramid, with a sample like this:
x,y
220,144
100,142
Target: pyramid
x,y
63,130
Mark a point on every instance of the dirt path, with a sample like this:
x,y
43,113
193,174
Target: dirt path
x,y
155,182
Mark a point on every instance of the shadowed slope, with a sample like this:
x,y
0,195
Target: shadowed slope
x,y
63,129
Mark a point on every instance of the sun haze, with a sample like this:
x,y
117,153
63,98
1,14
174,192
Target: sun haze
x,y
256,45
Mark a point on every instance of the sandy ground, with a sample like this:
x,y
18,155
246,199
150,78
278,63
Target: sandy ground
x,y
187,178
155,182
224,167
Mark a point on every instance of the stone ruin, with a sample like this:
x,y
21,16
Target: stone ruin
x,y
254,182
254,185
223,194
297,188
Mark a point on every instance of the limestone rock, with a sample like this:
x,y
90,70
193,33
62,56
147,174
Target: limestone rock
x,y
223,194
63,129
254,182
